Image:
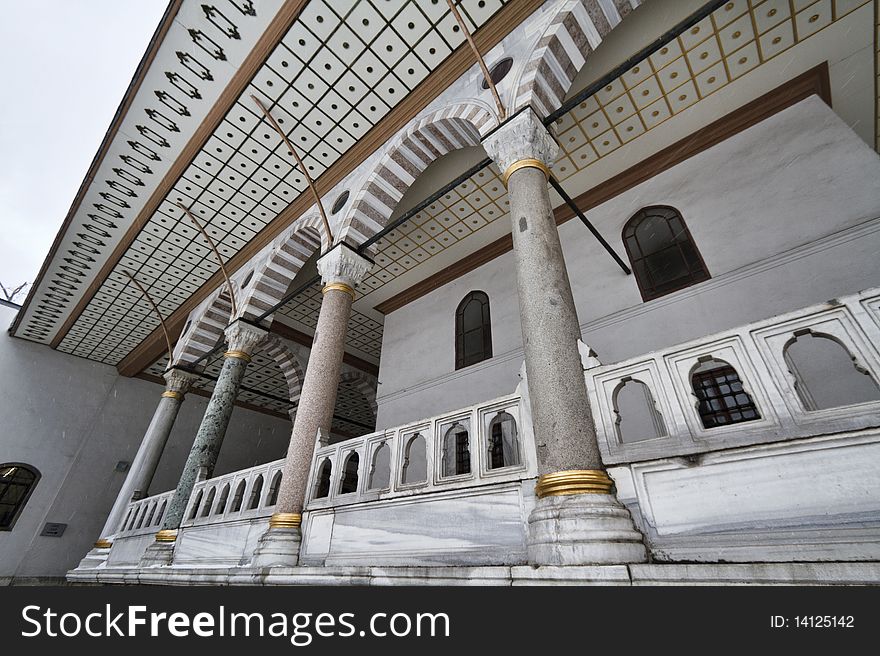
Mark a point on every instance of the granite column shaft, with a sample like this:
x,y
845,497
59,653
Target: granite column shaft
x,y
341,268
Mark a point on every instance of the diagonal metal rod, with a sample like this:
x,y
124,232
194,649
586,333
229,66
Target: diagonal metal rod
x,y
486,74
287,298
406,216
217,255
299,163
577,210
645,52
158,314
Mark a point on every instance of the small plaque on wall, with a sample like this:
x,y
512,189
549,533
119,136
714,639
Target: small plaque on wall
x,y
53,530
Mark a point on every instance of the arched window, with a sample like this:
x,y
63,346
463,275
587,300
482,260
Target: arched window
x,y
456,451
256,491
636,416
662,252
722,399
473,330
209,502
380,472
195,508
221,503
350,474
503,443
238,498
826,375
272,497
322,486
415,461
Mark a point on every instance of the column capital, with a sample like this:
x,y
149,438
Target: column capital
x,y
178,381
342,265
523,138
243,338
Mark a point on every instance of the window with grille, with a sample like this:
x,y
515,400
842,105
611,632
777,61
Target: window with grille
x,y
456,451
17,481
662,252
503,443
721,398
473,330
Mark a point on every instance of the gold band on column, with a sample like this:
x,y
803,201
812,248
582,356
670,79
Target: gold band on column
x,y
340,286
574,481
103,543
166,535
527,163
171,394
285,520
241,355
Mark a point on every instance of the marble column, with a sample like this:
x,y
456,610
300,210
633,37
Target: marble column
x,y
577,518
341,268
242,339
143,467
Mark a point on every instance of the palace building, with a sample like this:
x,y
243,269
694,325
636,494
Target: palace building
x,y
434,291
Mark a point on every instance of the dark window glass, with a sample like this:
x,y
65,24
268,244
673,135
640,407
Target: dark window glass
x,y
462,454
722,399
473,330
350,475
323,488
497,447
16,484
456,451
662,252
503,447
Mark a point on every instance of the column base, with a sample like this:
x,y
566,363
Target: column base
x,y
97,557
278,547
161,552
583,529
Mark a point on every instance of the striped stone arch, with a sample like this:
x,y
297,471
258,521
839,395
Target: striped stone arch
x,y
204,328
289,364
365,384
423,141
575,31
267,281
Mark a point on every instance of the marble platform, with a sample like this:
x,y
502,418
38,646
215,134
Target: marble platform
x,y
626,575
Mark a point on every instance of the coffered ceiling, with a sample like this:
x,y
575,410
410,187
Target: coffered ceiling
x,y
331,77
339,68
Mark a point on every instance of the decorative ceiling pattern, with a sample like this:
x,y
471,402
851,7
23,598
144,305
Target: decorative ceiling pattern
x,y
202,49
469,207
265,386
734,39
363,337
242,178
339,69
711,54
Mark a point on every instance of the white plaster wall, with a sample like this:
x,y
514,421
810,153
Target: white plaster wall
x,y
73,420
782,214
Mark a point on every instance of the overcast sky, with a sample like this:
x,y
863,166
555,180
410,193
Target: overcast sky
x,y
64,67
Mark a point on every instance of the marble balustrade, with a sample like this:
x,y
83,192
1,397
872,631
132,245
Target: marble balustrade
x,y
756,351
373,486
